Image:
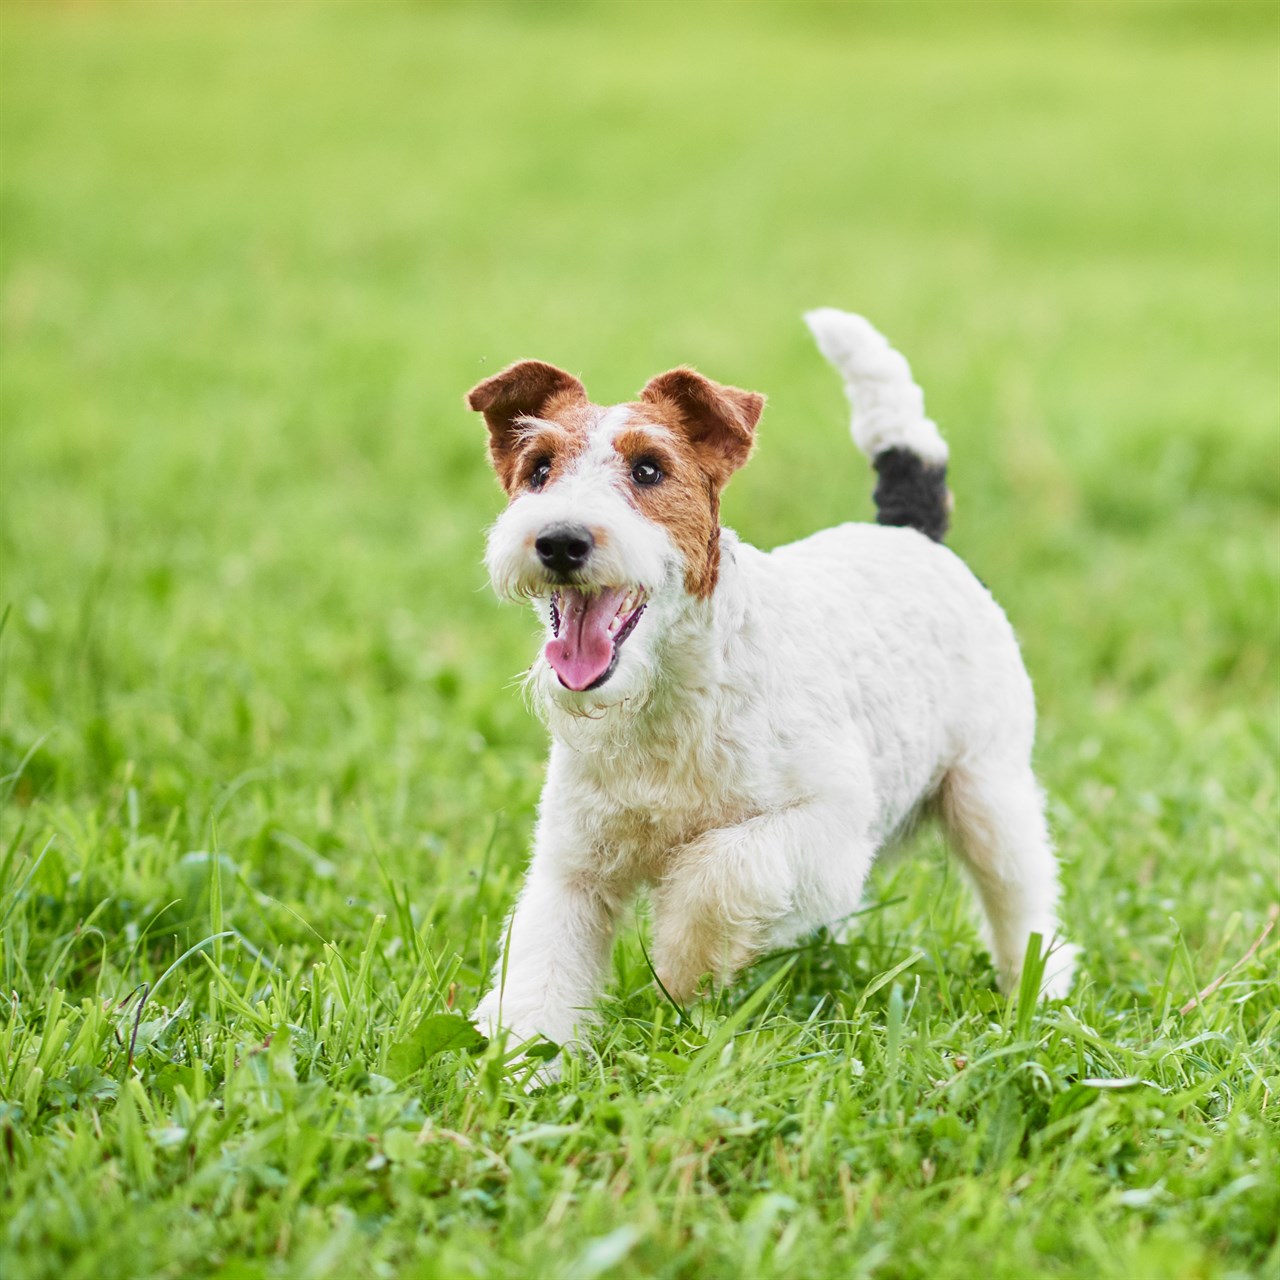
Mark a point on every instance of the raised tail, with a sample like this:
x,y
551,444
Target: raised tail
x,y
889,423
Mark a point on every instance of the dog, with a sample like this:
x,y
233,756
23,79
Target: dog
x,y
743,731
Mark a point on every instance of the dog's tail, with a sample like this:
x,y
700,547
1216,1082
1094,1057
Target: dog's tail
x,y
889,424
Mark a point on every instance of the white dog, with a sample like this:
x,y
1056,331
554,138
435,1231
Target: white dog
x,y
744,730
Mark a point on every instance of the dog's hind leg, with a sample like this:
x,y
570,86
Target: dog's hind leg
x,y
996,824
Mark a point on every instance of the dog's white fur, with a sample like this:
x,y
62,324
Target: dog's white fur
x,y
754,750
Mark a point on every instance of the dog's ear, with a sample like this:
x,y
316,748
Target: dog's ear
x,y
528,388
717,419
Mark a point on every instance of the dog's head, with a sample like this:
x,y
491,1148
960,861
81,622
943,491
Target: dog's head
x,y
613,520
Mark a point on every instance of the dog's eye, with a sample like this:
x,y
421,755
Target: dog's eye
x,y
540,474
646,472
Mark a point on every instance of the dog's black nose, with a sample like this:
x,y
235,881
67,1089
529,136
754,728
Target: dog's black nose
x,y
564,547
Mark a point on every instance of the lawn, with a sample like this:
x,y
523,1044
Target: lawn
x,y
268,783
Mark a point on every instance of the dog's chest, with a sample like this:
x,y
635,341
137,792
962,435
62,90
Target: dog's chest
x,y
660,795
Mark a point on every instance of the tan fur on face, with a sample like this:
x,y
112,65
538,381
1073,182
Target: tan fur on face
x,y
686,501
526,389
696,431
708,433
558,439
719,420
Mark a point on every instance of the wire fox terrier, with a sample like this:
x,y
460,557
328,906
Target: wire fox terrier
x,y
742,730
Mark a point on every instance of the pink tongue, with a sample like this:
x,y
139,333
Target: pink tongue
x,y
581,653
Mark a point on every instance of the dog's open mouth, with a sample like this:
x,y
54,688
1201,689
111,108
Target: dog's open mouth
x,y
589,630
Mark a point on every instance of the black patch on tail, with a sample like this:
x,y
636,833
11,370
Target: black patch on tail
x,y
912,492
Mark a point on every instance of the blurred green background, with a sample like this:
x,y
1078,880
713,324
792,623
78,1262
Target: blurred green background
x,y
254,254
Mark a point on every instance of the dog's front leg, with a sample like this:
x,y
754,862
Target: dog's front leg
x,y
737,891
555,948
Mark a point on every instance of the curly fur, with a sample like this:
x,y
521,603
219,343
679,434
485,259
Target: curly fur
x,y
758,743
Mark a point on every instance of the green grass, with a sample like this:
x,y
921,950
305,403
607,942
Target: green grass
x,y
268,787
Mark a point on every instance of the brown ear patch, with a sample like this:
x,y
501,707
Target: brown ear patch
x,y
685,501
719,420
526,389
556,441
709,433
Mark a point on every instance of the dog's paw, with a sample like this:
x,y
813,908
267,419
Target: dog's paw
x,y
533,1062
678,984
485,1017
1059,970
545,1070
1055,980
525,1045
